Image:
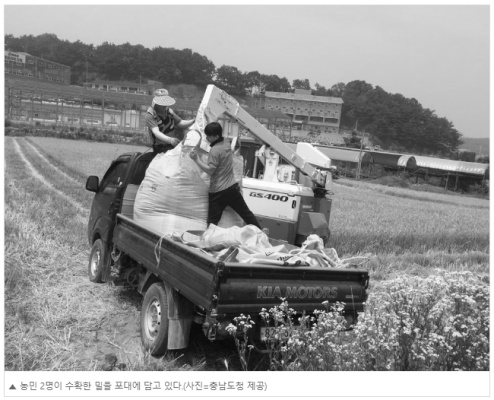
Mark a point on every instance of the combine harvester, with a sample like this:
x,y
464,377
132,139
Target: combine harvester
x,y
292,201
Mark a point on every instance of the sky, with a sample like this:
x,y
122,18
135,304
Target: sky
x,y
437,54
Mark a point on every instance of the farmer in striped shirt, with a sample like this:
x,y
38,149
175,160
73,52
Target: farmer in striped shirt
x,y
161,121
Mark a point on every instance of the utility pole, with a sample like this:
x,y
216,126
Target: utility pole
x,y
359,167
86,71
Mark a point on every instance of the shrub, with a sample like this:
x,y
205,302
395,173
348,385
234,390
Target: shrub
x,y
435,181
438,323
139,139
477,188
8,123
38,123
11,131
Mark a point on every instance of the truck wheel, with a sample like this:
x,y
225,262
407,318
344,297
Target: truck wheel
x,y
154,320
96,259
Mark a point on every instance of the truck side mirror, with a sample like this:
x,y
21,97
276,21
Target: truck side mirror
x,y
92,183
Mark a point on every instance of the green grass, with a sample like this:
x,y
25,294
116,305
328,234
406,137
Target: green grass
x,y
87,158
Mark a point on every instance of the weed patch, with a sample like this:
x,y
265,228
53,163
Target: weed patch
x,y
438,323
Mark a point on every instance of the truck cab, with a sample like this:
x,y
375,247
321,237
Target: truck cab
x,y
124,176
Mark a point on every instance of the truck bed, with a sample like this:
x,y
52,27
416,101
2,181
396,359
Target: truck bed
x,y
234,288
189,271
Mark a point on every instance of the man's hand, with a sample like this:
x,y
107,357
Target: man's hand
x,y
174,142
193,154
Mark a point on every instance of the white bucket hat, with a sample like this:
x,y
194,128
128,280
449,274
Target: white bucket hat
x,y
162,98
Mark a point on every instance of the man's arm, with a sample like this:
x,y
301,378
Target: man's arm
x,y
164,138
185,124
182,124
208,169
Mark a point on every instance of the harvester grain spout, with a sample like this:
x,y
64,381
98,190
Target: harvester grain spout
x,y
217,102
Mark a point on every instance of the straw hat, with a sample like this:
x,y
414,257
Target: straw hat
x,y
162,98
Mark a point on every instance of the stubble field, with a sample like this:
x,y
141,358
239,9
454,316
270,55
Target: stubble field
x,y
55,319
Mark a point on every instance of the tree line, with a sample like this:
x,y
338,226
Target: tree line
x,y
393,121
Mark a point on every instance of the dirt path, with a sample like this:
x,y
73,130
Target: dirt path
x,y
83,211
113,343
48,162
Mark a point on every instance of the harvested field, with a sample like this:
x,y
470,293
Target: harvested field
x,y
55,319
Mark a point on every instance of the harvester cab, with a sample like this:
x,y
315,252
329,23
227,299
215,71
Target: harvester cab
x,y
292,198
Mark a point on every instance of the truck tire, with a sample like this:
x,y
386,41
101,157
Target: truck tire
x,y
96,261
154,320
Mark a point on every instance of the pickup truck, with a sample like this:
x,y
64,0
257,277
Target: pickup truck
x,y
182,285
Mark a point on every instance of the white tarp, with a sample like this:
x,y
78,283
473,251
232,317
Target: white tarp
x,y
250,245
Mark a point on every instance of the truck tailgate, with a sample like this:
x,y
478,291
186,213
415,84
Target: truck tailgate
x,y
246,288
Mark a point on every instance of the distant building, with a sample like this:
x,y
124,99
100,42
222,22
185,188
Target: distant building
x,y
125,87
317,113
37,68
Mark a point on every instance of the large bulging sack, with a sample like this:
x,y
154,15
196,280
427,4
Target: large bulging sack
x,y
174,193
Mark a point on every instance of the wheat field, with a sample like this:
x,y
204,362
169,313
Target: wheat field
x,y
52,311
420,230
